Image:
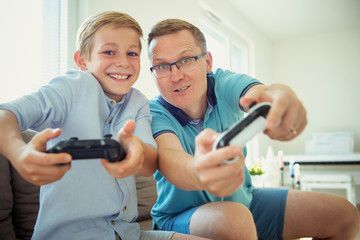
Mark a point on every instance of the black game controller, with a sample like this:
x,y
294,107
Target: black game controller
x,y
106,148
244,130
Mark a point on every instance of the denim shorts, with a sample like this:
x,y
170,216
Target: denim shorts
x,y
267,208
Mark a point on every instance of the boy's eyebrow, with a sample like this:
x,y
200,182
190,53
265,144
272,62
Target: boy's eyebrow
x,y
113,44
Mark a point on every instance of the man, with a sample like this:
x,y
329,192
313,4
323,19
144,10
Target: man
x,y
198,194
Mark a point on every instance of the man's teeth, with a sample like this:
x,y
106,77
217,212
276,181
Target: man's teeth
x,y
120,77
181,89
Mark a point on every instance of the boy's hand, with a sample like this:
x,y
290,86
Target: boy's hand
x,y
135,154
38,167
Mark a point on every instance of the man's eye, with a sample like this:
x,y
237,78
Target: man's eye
x,y
185,60
162,67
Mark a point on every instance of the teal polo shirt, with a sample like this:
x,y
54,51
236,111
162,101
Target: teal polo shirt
x,y
224,91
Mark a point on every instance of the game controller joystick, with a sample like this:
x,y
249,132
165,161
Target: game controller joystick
x,y
244,130
106,148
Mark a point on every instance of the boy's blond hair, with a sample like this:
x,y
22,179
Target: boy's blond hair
x,y
170,26
86,32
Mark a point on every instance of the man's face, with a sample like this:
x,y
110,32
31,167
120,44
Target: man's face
x,y
115,60
185,90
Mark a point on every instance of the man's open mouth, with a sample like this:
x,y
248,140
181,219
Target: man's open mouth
x,y
181,89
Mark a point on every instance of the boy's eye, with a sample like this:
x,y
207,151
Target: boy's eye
x,y
109,53
133,54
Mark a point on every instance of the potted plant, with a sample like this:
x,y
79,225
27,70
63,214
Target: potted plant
x,y
256,171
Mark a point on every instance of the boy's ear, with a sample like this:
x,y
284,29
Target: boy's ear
x,y
80,61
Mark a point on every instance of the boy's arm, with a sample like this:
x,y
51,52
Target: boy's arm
x,y
29,159
203,171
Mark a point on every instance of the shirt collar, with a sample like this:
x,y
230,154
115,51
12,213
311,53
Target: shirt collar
x,y
179,114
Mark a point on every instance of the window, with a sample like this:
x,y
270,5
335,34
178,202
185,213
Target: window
x,y
229,51
32,45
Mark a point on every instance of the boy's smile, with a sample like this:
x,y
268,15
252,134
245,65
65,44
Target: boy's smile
x,y
115,60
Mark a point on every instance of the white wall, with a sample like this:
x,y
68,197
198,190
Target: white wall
x,y
148,13
324,70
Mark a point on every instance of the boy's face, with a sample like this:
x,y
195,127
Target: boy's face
x,y
185,90
115,59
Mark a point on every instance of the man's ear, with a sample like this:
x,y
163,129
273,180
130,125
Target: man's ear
x,y
209,61
80,61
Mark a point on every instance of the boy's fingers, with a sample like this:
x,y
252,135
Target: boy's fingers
x,y
40,139
56,158
129,127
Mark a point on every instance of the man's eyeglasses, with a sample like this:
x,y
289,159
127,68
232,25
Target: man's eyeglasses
x,y
185,64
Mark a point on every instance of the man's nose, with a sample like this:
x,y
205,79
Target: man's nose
x,y
175,73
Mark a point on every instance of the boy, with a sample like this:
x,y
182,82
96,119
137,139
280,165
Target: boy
x,y
81,200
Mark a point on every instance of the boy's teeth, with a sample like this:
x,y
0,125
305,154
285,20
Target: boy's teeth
x,y
121,77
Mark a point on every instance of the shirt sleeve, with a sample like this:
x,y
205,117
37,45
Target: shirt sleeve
x,y
45,108
230,86
163,121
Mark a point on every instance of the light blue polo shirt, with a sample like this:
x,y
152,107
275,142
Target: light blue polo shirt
x,y
224,91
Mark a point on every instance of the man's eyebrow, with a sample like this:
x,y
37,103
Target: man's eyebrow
x,y
180,56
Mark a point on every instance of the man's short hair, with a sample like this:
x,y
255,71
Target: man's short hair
x,y
170,26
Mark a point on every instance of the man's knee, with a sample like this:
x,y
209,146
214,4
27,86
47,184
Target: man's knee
x,y
213,220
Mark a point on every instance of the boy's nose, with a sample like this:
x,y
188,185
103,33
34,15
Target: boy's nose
x,y
122,61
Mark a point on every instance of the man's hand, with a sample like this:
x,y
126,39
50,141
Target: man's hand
x,y
38,167
216,177
287,116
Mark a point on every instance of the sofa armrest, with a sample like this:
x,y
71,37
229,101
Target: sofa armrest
x,y
19,200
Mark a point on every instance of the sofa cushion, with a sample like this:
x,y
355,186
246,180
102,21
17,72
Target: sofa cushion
x,y
6,200
146,194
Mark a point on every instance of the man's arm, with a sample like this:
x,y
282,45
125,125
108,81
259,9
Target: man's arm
x,y
203,171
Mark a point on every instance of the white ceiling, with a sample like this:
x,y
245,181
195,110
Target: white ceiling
x,y
284,19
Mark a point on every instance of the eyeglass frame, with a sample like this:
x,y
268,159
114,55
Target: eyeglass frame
x,y
175,63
